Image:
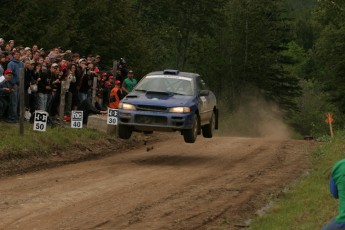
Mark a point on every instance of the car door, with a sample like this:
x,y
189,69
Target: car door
x,y
204,101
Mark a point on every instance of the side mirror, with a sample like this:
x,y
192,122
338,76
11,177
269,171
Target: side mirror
x,y
204,92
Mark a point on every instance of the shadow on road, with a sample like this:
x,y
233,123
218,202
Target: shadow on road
x,y
171,160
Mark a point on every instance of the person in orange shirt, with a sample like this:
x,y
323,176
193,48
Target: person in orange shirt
x,y
116,95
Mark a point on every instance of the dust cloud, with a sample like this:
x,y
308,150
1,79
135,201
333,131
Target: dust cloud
x,y
256,117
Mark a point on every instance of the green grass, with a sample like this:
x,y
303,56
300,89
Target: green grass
x,y
14,145
308,204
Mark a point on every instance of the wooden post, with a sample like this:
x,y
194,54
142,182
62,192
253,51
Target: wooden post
x,y
331,128
94,88
330,120
62,100
114,69
21,101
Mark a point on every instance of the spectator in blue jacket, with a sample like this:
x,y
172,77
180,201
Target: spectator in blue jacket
x,y
15,65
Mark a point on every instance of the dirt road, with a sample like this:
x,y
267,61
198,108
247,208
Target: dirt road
x,y
219,182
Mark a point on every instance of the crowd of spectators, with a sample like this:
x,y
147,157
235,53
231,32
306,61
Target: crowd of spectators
x,y
46,72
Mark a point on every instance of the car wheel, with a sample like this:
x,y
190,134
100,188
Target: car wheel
x,y
207,130
191,134
125,131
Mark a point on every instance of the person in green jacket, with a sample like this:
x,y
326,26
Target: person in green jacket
x,y
129,82
337,189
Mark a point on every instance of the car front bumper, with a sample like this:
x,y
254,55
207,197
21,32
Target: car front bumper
x,y
155,121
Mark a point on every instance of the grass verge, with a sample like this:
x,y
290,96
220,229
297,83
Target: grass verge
x,y
13,145
307,204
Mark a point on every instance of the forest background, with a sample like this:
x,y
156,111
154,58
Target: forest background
x,y
287,53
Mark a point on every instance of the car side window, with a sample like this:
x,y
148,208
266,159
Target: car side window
x,y
201,84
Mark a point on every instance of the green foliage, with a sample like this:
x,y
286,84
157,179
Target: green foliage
x,y
235,45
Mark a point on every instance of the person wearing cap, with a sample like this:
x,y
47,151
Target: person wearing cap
x,y
111,79
14,65
116,95
6,89
129,83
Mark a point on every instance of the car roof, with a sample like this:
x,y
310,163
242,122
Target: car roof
x,y
174,73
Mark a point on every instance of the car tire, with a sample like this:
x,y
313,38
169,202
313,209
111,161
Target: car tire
x,y
125,132
207,130
191,134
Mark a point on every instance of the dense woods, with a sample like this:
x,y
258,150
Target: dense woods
x,y
289,51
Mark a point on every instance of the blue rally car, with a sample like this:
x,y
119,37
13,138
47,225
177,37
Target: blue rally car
x,y
169,100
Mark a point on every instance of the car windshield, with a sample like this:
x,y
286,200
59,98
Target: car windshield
x,y
171,84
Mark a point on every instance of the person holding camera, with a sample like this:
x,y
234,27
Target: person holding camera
x,y
6,88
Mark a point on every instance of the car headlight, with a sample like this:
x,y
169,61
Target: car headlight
x,y
179,110
126,106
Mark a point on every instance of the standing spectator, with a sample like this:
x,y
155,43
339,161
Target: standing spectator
x,y
2,44
34,48
57,76
98,62
337,189
75,58
11,44
106,94
34,87
28,78
36,56
99,90
119,76
2,59
15,65
85,85
70,88
6,89
129,82
45,89
122,66
46,64
89,58
116,95
54,54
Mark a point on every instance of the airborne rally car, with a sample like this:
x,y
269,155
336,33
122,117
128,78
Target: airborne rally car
x,y
169,100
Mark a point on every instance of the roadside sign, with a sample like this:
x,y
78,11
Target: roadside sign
x,y
77,119
330,120
40,120
112,116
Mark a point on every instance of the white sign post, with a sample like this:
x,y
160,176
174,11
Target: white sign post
x,y
40,120
112,116
77,119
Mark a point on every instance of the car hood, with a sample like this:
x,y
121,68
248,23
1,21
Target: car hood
x,y
157,99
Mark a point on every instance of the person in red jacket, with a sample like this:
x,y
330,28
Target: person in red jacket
x,y
116,95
